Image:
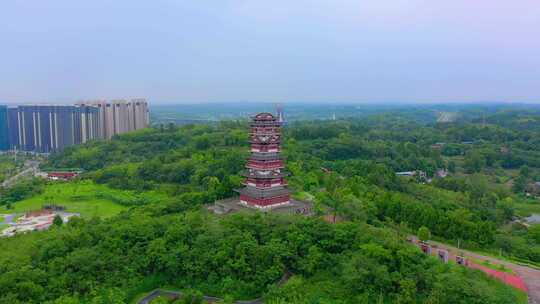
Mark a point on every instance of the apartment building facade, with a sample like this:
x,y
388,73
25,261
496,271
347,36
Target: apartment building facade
x,y
4,135
121,115
50,128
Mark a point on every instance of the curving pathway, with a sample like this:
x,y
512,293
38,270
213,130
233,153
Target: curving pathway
x,y
177,294
528,276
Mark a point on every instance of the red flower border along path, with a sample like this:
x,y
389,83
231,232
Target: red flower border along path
x,y
507,278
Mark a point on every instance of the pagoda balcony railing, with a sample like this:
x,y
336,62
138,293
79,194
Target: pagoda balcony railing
x,y
264,130
268,142
268,136
264,186
271,156
252,161
265,124
264,133
265,148
258,175
265,166
265,144
273,181
265,160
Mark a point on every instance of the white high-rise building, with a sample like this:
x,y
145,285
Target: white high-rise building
x,y
120,116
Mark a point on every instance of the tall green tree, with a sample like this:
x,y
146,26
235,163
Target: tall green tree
x,y
57,221
424,234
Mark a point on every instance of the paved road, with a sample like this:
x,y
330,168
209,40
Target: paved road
x,y
529,275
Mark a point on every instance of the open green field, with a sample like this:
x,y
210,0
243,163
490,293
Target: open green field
x,y
82,197
527,207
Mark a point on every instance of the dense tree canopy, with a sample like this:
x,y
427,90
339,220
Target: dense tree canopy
x,y
240,256
197,164
346,168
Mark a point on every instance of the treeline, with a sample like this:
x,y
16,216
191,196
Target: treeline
x,y
144,145
20,191
176,160
374,194
399,146
408,146
236,257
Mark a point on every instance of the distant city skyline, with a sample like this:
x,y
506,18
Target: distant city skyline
x,y
317,51
289,103
51,128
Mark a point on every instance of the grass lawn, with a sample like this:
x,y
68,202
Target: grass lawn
x,y
19,248
160,299
485,263
527,207
521,296
304,196
82,197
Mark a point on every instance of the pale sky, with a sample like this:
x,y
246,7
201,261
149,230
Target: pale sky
x,y
272,51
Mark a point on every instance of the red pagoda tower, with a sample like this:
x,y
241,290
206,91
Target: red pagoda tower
x,y
265,184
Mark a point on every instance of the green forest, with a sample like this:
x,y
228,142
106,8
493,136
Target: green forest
x,y
162,236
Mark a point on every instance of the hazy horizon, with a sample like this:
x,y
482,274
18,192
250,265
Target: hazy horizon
x,y
318,51
290,103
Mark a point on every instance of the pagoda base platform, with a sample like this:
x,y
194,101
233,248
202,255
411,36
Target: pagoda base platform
x,y
234,204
